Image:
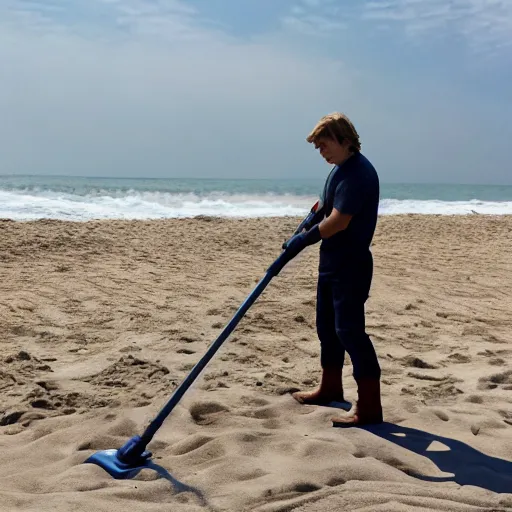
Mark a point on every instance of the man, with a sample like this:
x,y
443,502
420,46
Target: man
x,y
350,203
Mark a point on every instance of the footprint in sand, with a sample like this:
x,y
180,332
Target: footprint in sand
x,y
251,474
130,349
188,339
459,358
502,380
204,413
507,416
416,362
265,413
11,418
475,399
304,487
100,442
42,403
254,401
272,424
127,372
124,428
493,355
442,389
185,351
248,359
421,376
201,449
481,332
260,413
336,481
290,491
442,415
190,444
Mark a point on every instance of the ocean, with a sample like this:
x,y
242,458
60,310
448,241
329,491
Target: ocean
x,y
79,199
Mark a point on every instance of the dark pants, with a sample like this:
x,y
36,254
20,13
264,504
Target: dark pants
x,y
341,321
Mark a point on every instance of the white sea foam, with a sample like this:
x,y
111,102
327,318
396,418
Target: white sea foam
x,y
436,207
36,204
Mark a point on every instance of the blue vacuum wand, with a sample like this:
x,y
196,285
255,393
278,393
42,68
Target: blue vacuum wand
x,y
132,457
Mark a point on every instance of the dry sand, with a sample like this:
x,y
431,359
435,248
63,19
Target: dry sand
x,y
100,321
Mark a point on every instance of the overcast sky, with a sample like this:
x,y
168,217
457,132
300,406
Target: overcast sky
x,y
231,88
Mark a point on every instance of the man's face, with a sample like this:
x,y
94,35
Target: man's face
x,y
332,151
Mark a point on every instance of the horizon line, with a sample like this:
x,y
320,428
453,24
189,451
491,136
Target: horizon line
x,y
204,178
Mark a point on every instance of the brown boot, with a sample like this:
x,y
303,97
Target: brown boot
x,y
368,409
331,389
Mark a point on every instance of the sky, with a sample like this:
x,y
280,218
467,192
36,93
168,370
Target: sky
x,y
231,88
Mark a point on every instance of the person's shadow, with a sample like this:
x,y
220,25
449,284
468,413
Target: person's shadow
x,y
467,465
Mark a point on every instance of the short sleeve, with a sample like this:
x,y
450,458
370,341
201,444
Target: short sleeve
x,y
349,195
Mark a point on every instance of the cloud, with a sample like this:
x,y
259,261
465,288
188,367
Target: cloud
x,y
486,25
315,18
167,20
134,87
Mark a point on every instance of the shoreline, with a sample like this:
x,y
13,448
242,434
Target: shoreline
x,y
249,218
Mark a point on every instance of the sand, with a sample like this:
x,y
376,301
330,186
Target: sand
x,y
100,321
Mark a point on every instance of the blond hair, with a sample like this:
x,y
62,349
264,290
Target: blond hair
x,y
338,127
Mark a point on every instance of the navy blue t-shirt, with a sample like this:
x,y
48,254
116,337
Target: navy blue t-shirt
x,y
351,188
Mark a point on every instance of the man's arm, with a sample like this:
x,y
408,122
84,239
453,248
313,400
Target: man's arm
x,y
348,199
333,224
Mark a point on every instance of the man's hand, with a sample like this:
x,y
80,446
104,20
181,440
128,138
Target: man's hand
x,y
333,224
295,244
300,241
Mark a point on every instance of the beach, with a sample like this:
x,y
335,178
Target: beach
x,y
101,320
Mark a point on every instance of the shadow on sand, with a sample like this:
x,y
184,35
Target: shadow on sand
x,y
467,465
178,486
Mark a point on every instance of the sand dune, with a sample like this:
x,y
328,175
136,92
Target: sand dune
x,y
100,321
